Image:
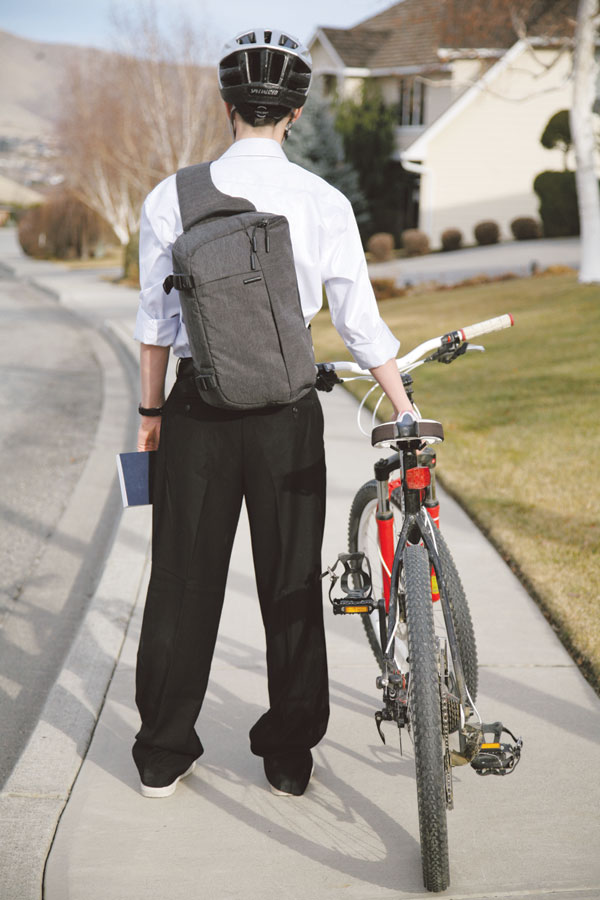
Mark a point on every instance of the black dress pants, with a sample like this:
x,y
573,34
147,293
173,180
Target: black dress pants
x,y
208,460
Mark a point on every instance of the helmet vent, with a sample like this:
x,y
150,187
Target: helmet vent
x,y
249,38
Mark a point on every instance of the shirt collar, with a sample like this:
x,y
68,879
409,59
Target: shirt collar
x,y
255,147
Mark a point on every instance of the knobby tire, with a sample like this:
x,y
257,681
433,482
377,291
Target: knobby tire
x,y
425,719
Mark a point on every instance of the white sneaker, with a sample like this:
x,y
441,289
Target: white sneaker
x,y
167,789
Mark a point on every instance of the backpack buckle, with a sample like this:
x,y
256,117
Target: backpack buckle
x,y
205,380
179,282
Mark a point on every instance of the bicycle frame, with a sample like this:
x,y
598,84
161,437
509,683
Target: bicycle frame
x,y
418,526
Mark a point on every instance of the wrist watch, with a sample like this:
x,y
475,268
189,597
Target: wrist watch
x,y
150,411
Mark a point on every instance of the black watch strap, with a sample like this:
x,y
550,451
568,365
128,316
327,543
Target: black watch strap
x,y
152,411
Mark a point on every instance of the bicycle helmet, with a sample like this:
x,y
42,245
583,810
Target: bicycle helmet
x,y
264,74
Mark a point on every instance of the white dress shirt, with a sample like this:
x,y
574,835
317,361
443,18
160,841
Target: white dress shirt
x,y
325,240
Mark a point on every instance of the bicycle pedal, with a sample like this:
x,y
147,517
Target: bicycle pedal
x,y
355,582
343,606
497,757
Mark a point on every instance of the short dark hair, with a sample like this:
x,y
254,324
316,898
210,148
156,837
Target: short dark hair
x,y
262,115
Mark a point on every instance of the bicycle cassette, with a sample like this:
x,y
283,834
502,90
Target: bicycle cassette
x,y
497,757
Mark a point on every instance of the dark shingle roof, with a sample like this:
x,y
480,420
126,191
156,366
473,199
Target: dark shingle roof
x,y
356,47
410,33
493,23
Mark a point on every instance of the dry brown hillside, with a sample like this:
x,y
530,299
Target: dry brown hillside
x,y
31,77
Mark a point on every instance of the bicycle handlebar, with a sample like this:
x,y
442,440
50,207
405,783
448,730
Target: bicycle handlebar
x,y
413,357
486,326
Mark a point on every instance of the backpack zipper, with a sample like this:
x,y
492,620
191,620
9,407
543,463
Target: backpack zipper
x,y
253,248
265,224
254,243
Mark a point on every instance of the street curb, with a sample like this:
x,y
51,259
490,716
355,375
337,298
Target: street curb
x,y
36,792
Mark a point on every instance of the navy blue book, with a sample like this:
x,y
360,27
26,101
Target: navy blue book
x,y
136,471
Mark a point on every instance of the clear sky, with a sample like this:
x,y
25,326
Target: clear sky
x,y
88,21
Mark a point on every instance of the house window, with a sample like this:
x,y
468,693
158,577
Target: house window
x,y
330,84
411,104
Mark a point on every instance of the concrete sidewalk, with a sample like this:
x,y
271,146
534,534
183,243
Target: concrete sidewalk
x,y
355,833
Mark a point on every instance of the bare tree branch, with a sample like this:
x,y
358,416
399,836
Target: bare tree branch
x,y
138,114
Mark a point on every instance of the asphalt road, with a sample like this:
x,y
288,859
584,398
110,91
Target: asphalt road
x,y
50,402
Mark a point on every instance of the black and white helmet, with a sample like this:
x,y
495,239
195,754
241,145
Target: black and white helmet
x,y
265,72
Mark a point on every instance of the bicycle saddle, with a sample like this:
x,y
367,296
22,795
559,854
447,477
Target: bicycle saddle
x,y
392,433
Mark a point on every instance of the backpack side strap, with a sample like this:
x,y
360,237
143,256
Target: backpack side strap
x,y
179,282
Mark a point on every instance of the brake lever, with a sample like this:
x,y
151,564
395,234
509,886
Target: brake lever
x,y
450,352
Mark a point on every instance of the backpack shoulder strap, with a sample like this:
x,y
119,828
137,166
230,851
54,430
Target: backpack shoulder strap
x,y
199,198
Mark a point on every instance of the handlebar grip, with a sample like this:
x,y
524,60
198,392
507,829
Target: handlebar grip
x,y
497,324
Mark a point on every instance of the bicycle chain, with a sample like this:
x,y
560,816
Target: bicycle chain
x,y
447,759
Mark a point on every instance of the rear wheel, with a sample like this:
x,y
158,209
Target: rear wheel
x,y
425,719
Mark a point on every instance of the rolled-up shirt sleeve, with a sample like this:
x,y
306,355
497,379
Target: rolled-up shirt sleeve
x,y
352,304
159,314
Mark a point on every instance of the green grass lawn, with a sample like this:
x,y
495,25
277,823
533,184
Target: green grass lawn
x,y
522,437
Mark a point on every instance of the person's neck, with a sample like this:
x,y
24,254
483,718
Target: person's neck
x,y
268,132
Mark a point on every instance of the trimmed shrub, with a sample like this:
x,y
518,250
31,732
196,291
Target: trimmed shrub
x,y
487,232
415,242
557,132
381,246
525,228
385,288
451,239
558,203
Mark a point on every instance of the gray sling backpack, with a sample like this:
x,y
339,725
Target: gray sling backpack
x,y
234,270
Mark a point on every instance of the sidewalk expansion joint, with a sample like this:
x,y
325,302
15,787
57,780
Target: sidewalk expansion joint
x,y
527,666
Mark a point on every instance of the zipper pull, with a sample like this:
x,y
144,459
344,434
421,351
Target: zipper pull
x,y
253,248
265,224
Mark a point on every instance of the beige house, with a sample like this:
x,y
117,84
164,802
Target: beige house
x,y
474,87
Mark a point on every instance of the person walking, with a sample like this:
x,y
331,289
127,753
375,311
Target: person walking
x,y
210,459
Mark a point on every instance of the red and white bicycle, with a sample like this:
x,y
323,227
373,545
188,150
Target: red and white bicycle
x,y
399,575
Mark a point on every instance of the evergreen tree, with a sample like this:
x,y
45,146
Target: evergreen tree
x,y
367,127
315,144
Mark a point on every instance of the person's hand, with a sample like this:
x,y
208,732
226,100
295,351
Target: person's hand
x,y
407,416
149,433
